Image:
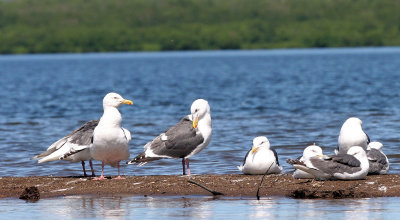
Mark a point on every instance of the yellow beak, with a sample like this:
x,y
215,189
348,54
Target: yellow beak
x,y
126,101
254,149
195,122
320,156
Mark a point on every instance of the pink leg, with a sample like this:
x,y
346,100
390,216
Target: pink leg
x,y
102,176
83,167
187,165
183,166
119,177
91,167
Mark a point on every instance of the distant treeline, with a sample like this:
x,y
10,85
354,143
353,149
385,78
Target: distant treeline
x,y
52,26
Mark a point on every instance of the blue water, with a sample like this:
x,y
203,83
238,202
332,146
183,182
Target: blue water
x,y
294,97
123,207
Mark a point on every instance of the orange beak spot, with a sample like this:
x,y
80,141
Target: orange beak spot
x,y
195,122
126,101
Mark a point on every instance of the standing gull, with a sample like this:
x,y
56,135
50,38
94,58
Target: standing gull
x,y
74,141
310,151
352,134
378,161
183,140
110,140
261,159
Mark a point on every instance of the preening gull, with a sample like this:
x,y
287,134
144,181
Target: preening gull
x,y
183,140
310,151
351,166
80,138
378,161
352,134
110,140
261,159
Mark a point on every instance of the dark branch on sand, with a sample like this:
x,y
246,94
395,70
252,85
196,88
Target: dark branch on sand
x,y
215,193
262,179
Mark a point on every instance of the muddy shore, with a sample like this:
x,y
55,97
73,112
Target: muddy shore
x,y
227,185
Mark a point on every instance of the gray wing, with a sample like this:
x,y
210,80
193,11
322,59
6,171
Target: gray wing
x,y
346,159
84,134
80,136
276,156
181,140
376,156
336,164
377,161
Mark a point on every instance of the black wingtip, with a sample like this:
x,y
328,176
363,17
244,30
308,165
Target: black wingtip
x,y
292,162
138,159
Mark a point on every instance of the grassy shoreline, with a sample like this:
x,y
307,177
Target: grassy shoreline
x,y
55,26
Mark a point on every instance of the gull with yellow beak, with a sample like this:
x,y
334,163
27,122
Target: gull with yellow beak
x,y
353,165
310,151
183,140
261,159
110,140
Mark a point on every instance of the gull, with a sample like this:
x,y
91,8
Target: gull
x,y
74,141
351,166
351,134
310,151
261,159
110,140
183,140
378,161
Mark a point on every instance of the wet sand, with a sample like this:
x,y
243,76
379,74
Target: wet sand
x,y
227,185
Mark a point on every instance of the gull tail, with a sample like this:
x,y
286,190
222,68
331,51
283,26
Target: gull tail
x,y
240,168
71,152
53,148
52,157
141,159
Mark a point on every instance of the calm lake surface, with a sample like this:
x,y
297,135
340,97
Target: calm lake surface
x,y
294,97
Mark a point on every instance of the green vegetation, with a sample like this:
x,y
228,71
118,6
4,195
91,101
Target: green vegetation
x,y
51,26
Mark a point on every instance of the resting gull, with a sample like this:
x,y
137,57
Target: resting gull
x,y
310,151
378,161
110,140
261,159
351,134
183,140
351,166
74,141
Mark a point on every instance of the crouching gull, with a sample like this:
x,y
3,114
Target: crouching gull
x,y
351,166
310,151
378,161
183,140
351,134
110,140
261,159
72,142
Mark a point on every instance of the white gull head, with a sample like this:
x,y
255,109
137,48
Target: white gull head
x,y
261,142
312,151
115,100
375,145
